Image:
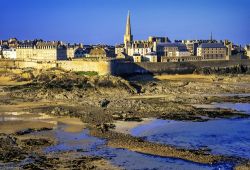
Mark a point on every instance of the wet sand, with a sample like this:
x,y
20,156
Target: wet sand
x,y
126,126
11,122
187,77
74,125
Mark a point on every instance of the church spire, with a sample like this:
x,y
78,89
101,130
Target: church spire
x,y
128,26
128,37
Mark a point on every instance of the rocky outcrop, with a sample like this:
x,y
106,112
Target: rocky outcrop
x,y
64,85
238,69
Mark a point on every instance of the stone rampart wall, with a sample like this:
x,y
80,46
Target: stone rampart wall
x,y
115,67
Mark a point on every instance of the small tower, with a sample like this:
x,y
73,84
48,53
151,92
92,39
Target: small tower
x,y
211,37
229,46
128,37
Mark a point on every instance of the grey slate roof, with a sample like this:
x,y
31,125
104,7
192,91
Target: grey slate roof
x,y
119,46
180,46
171,44
27,44
211,45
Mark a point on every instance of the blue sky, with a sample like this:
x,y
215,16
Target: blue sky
x,y
103,21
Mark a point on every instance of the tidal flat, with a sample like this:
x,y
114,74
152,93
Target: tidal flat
x,y
56,119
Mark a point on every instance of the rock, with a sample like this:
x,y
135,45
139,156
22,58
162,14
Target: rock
x,y
25,131
36,142
12,154
9,149
104,127
104,103
6,140
237,69
117,116
59,111
136,119
29,130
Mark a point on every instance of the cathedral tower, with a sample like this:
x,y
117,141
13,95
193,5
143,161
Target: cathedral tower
x,y
128,37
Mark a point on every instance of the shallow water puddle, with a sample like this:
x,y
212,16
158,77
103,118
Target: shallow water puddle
x,y
223,136
85,144
227,137
242,107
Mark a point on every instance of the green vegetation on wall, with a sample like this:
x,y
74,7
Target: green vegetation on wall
x,y
87,73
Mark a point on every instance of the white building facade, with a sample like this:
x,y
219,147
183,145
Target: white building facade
x,y
9,53
182,53
247,48
150,57
212,51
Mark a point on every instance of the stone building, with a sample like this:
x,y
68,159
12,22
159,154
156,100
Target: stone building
x,y
182,53
247,48
76,51
159,39
80,53
212,51
2,47
120,53
13,43
41,51
229,46
9,53
26,51
123,56
171,49
150,57
132,48
172,52
71,51
141,47
192,47
120,49
137,58
101,52
98,52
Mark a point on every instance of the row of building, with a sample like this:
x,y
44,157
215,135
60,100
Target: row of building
x,y
52,50
154,49
161,49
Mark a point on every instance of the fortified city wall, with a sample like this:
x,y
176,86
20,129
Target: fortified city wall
x,y
115,67
102,67
119,68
